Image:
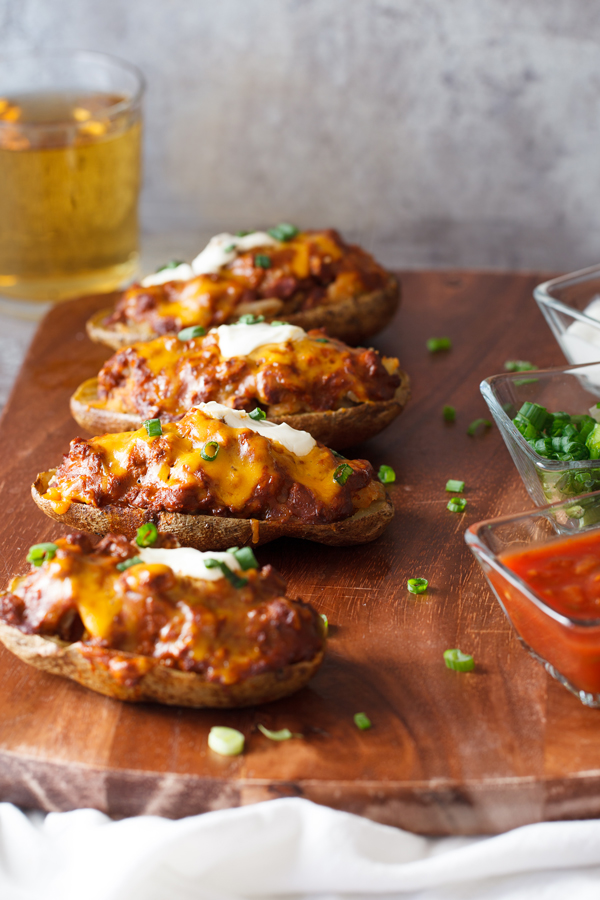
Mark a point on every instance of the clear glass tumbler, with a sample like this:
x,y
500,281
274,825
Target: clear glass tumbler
x,y
70,137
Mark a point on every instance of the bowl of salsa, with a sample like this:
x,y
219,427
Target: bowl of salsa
x,y
543,566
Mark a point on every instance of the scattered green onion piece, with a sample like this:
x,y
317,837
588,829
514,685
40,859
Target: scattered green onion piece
x,y
338,455
476,424
128,563
275,323
172,264
456,486
193,331
518,365
457,504
417,585
362,721
459,661
434,345
284,735
243,233
229,248
153,427
231,577
225,741
342,473
147,535
262,261
321,340
283,232
250,319
325,623
449,413
210,451
258,414
40,553
245,556
386,474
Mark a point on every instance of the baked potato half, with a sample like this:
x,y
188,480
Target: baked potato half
x,y
147,629
313,279
340,395
214,479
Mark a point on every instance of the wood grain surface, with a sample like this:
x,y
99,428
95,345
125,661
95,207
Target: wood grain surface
x,y
449,752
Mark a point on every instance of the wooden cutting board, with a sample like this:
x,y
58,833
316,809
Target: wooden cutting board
x,y
448,753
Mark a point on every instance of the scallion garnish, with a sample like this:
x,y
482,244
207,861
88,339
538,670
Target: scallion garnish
x,y
258,414
338,455
283,232
457,504
283,735
386,475
153,427
262,261
518,365
325,623
231,577
321,340
225,741
172,264
477,423
245,556
417,585
275,323
193,331
128,563
229,248
434,345
455,486
40,553
342,473
250,319
147,535
243,233
362,721
449,413
210,451
459,661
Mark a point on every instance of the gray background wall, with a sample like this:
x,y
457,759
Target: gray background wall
x,y
440,132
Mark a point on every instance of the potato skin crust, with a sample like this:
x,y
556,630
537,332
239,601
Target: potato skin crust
x,y
100,671
216,532
351,320
335,428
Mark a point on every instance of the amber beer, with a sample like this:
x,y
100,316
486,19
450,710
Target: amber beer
x,y
69,184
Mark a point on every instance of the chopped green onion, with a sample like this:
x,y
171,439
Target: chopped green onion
x,y
321,340
283,232
262,261
245,556
193,331
342,473
231,577
153,427
229,248
434,345
456,486
362,721
147,535
325,623
171,265
250,319
210,451
449,413
457,504
386,474
476,424
536,414
225,741
276,322
243,233
258,414
128,563
417,585
518,365
284,735
39,553
338,455
459,661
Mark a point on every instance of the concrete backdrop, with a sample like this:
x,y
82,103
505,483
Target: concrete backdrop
x,y
440,132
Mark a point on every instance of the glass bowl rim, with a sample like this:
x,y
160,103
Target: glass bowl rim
x,y
543,295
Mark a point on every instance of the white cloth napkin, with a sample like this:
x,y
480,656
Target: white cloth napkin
x,y
290,848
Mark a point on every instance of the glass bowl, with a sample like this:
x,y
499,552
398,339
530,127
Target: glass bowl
x,y
568,648
571,306
573,389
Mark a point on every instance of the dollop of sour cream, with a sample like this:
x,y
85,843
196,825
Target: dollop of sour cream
x,y
240,339
223,248
298,442
182,272
188,562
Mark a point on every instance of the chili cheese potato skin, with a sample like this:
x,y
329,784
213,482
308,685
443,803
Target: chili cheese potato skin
x,y
217,532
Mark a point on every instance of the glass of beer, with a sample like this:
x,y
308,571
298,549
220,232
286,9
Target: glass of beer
x,y
70,128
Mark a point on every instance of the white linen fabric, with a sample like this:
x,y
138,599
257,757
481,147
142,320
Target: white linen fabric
x,y
285,848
